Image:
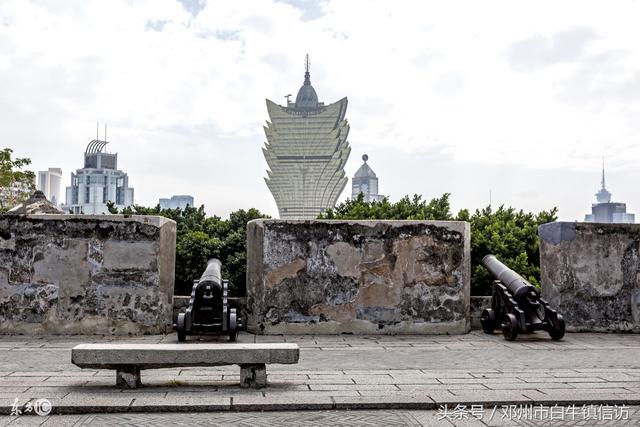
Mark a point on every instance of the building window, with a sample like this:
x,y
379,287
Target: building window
x,y
86,193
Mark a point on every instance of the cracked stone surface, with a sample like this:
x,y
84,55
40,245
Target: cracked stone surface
x,y
376,277
590,272
102,274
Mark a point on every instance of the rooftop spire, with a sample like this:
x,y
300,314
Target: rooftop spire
x,y
603,196
307,65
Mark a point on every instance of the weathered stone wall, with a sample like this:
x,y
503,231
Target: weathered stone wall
x,y
86,274
590,273
376,277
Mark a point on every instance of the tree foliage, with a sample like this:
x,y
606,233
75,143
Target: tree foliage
x,y
199,238
406,208
512,236
15,184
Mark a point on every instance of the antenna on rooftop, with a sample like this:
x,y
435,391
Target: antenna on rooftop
x,y
307,65
105,131
97,131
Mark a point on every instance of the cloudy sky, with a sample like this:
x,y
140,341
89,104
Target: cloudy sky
x,y
522,99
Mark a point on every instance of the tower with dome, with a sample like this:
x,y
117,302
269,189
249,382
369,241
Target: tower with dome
x,y
306,151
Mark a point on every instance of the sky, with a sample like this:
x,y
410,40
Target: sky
x,y
518,100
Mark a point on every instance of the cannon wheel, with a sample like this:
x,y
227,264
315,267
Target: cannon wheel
x,y
181,326
232,325
510,327
556,332
488,320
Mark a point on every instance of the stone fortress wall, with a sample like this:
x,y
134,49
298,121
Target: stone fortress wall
x,y
590,272
114,274
86,274
374,277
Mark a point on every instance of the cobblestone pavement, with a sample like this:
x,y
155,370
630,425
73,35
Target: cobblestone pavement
x,y
316,418
340,372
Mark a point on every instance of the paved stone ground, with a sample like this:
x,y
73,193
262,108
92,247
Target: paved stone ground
x,y
341,372
320,418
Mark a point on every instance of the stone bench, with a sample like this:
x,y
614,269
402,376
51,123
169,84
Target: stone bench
x,y
129,359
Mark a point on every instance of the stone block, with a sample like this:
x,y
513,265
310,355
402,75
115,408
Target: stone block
x,y
590,273
86,274
154,356
253,375
130,359
370,277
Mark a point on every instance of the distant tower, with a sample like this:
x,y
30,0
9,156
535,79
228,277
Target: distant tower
x,y
97,183
365,181
606,211
49,183
306,151
603,196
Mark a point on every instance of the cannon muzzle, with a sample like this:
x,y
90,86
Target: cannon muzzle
x,y
523,292
212,274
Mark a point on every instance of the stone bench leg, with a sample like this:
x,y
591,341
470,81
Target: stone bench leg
x,y
128,377
254,375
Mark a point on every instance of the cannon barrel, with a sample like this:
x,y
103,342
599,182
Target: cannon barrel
x,y
516,284
213,273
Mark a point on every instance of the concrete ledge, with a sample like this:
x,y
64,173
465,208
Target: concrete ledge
x,y
281,403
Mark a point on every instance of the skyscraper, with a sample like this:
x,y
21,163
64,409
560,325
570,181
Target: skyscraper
x,y
365,181
97,183
49,182
306,151
607,211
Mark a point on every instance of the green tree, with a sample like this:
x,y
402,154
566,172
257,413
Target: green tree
x,y
406,208
510,235
15,184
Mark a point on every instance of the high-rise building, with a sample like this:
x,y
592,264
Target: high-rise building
x,y
49,182
306,151
176,202
97,183
607,211
365,181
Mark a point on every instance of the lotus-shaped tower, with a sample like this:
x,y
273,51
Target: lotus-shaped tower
x,y
306,151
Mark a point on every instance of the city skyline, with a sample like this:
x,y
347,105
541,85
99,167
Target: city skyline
x,y
523,108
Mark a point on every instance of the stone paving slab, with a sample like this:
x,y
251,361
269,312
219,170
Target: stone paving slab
x,y
340,372
400,418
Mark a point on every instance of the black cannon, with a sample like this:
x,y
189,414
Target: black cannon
x,y
208,310
516,305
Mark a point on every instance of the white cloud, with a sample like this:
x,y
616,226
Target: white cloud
x,y
540,89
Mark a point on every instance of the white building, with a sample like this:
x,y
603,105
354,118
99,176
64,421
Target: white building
x,y
306,151
49,183
97,183
176,202
365,181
